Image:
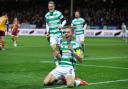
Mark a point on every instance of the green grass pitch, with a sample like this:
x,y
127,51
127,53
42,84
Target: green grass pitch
x,y
24,67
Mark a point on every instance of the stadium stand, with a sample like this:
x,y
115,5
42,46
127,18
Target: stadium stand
x,y
97,12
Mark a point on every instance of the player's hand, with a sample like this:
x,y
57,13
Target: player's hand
x,y
46,35
70,47
59,27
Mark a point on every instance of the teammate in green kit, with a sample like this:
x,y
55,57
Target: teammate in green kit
x,y
79,26
54,23
71,53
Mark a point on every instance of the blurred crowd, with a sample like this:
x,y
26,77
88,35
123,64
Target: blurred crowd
x,y
103,16
33,13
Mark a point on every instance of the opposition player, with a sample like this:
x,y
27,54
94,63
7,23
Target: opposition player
x,y
54,23
71,53
79,26
15,31
3,20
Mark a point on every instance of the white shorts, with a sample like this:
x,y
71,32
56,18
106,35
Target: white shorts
x,y
62,72
54,40
79,38
125,35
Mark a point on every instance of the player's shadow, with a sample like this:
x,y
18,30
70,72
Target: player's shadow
x,y
43,87
29,87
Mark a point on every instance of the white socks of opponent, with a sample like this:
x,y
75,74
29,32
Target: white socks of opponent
x,y
15,44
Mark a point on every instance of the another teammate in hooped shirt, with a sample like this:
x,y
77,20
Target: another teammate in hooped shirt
x,y
54,23
79,26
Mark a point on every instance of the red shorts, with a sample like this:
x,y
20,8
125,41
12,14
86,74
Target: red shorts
x,y
15,32
2,33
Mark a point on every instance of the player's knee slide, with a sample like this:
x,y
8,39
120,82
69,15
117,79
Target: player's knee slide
x,y
70,84
45,82
48,82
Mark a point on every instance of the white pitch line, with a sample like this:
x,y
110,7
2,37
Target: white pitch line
x,y
104,58
105,82
104,44
46,62
22,46
112,67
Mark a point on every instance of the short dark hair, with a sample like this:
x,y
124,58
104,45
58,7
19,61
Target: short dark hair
x,y
78,11
70,27
51,2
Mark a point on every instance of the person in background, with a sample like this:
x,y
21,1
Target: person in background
x,y
3,21
124,31
79,28
15,31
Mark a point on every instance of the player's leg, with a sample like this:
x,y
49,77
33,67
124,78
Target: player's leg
x,y
70,79
80,40
53,44
49,79
72,82
13,39
54,51
16,39
79,82
3,42
77,39
81,37
0,42
59,41
126,36
2,34
53,76
123,35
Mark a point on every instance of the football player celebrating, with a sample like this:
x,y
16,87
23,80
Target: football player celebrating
x,y
71,53
54,23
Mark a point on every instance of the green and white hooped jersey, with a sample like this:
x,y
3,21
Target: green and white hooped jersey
x,y
53,19
68,59
78,25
